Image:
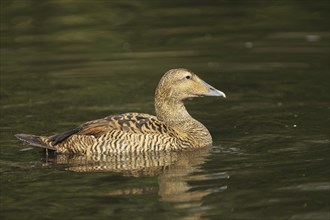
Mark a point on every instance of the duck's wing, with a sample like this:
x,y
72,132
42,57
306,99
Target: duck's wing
x,y
137,123
129,122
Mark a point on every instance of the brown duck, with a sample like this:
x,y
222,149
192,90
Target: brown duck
x,y
172,129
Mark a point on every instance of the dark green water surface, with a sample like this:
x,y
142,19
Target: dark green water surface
x,y
67,62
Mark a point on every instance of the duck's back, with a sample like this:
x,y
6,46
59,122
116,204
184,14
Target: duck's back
x,y
116,133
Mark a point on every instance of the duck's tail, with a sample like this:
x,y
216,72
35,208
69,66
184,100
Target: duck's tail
x,y
35,140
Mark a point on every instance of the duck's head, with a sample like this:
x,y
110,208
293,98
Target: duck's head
x,y
181,84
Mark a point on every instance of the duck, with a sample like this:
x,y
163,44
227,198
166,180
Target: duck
x,y
172,129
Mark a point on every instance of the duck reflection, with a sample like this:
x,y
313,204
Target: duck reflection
x,y
174,170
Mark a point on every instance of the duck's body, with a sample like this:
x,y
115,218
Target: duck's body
x,y
172,129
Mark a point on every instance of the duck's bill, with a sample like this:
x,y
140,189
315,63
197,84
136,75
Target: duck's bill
x,y
213,91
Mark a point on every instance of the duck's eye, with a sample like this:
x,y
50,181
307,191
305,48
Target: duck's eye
x,y
188,77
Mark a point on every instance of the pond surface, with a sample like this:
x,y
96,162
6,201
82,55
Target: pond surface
x,y
67,62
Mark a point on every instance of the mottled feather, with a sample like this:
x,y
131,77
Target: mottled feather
x,y
128,122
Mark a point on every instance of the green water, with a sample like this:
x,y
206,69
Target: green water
x,y
67,62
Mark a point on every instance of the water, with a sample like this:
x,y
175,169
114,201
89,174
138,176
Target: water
x,y
64,63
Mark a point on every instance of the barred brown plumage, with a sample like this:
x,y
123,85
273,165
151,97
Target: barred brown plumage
x,y
172,129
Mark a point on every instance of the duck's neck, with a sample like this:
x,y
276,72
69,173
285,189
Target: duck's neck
x,y
175,115
172,112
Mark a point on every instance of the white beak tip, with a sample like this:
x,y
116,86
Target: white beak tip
x,y
223,95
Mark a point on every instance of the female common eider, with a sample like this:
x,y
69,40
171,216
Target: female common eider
x,y
172,129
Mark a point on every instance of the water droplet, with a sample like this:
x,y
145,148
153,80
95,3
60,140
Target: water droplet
x,y
248,45
312,38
